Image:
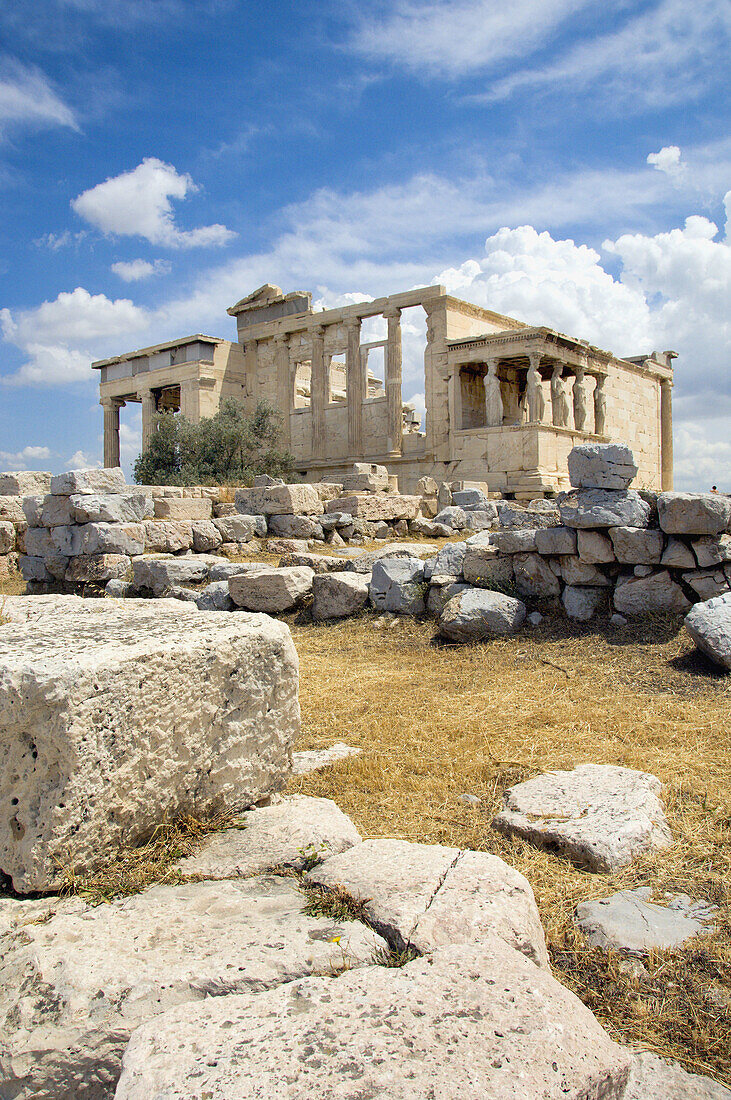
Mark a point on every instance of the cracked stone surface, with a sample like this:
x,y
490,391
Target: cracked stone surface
x,y
73,988
598,815
291,833
431,896
629,921
651,1078
468,1022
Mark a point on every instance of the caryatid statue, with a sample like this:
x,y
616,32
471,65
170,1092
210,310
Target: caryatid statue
x,y
493,396
559,398
535,395
580,399
600,405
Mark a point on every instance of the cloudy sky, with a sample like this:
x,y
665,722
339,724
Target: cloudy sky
x,y
559,160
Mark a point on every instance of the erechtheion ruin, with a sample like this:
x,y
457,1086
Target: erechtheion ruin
x,y
505,401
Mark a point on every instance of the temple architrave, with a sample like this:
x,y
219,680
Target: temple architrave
x,y
505,401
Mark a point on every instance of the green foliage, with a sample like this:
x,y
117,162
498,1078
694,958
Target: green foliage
x,y
230,448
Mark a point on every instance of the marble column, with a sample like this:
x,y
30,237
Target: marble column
x,y
355,387
318,391
149,411
559,398
666,434
394,400
494,409
535,398
111,408
580,395
285,388
600,405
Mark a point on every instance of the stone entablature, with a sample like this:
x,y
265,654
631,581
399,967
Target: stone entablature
x,y
505,401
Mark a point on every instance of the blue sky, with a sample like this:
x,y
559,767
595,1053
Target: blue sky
x,y
567,162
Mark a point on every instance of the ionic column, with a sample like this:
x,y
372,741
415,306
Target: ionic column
x,y
318,391
394,400
355,386
149,409
111,431
285,386
666,434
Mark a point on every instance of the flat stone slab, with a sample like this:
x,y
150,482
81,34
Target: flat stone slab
x,y
296,832
468,1022
709,625
429,896
115,717
598,815
271,590
311,760
73,987
587,508
476,614
694,513
629,921
651,1078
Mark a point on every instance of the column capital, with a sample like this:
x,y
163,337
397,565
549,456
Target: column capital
x,y
352,322
535,357
280,339
317,328
392,313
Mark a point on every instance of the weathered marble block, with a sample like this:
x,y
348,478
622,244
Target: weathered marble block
x,y
694,513
602,466
107,507
187,508
24,483
385,506
87,481
279,500
113,722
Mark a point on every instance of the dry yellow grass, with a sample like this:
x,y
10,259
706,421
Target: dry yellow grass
x,y
435,722
12,585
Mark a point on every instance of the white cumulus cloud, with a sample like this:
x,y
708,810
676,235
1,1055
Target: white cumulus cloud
x,y
137,204
29,458
668,160
132,271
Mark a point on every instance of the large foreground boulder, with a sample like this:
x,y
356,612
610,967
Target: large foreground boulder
x,y
657,593
271,590
587,508
709,625
694,513
115,718
74,986
428,896
338,595
602,466
398,585
599,816
467,1022
476,614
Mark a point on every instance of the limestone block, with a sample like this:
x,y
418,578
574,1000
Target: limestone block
x,y
28,609
587,508
32,510
77,984
7,536
287,546
520,540
439,596
241,528
398,585
206,536
226,508
265,480
338,595
633,546
280,500
33,568
381,506
448,561
694,513
57,511
575,571
56,564
472,499
38,541
177,592
707,583
106,538
366,482
476,614
677,555
479,520
98,568
295,527
329,520
11,509
555,540
106,508
534,577
118,590
186,508
160,574
318,563
709,625
428,896
328,490
595,548
484,567
214,597
25,483
512,1029
638,596
712,550
363,563
167,537
629,921
601,466
453,517
510,515
599,816
222,570
427,487
271,590
296,832
650,1076
110,723
582,604
424,528
88,481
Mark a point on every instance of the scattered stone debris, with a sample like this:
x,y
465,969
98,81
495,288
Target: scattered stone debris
x,y
629,921
311,760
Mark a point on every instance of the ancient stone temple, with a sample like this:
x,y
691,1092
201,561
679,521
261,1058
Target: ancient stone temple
x,y
505,401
